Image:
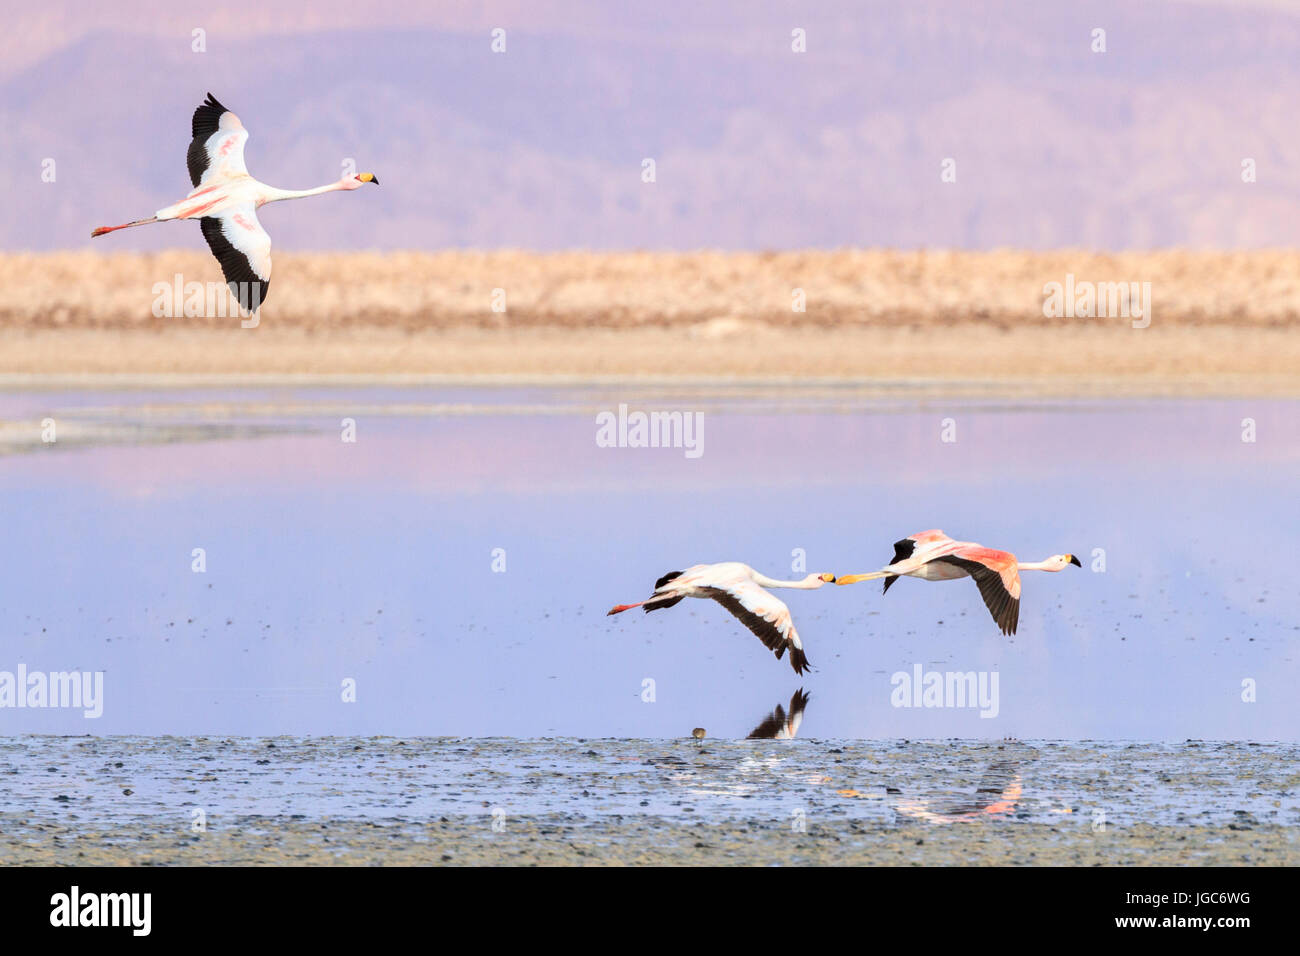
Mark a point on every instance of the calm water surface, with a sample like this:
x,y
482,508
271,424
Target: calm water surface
x,y
456,562
106,782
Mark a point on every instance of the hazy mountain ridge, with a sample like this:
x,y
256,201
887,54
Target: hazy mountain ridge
x,y
755,146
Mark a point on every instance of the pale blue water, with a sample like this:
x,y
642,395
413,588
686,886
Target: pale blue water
x,y
374,562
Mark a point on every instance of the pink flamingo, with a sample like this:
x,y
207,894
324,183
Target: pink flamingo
x,y
933,556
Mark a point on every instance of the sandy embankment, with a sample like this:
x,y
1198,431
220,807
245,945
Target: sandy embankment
x,y
1221,324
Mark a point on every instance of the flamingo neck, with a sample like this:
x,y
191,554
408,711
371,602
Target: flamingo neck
x,y
764,581
1035,566
275,195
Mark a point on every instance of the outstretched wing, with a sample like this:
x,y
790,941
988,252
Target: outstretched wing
x,y
766,616
217,144
243,248
999,582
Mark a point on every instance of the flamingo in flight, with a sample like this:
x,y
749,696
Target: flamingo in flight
x,y
225,200
738,588
934,556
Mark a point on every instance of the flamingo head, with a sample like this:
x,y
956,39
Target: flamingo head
x,y
359,180
1059,562
817,580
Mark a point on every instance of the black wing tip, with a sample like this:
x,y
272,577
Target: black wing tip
x,y
248,288
798,660
903,550
1009,618
671,575
656,604
207,118
250,295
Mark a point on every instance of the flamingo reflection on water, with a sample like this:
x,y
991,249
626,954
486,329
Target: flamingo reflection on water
x,y
780,725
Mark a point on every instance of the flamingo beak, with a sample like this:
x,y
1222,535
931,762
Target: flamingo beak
x,y
368,178
1075,561
828,578
850,578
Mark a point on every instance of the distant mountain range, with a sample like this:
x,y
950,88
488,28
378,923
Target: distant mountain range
x,y
755,146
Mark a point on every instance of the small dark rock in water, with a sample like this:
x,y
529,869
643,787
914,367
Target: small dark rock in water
x,y
63,798
127,792
119,764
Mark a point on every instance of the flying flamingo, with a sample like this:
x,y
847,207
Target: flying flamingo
x,y
934,556
738,588
225,200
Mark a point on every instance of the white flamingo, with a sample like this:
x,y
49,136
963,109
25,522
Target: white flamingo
x,y
225,200
738,588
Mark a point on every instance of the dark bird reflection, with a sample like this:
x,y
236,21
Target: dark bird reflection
x,y
997,794
780,724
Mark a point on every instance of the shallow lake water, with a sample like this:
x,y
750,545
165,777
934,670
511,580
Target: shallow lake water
x,y
110,800
83,781
451,567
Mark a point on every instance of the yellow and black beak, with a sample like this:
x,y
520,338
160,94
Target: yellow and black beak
x,y
368,178
1075,561
828,578
855,578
